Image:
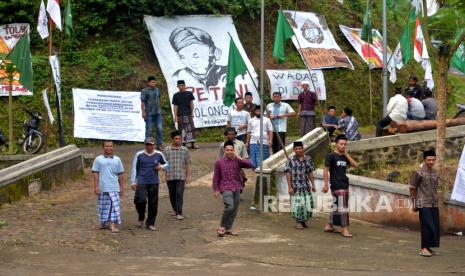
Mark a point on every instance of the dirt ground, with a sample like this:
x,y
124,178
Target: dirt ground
x,y
56,233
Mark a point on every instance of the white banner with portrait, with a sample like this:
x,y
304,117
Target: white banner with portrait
x,y
315,42
288,82
112,115
195,49
458,193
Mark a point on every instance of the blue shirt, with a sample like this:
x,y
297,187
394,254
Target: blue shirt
x,y
151,99
144,167
108,169
330,120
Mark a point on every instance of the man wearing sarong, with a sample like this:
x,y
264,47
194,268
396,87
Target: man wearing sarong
x,y
108,170
183,107
336,164
300,173
424,195
307,101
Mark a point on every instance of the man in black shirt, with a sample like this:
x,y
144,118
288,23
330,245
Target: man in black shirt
x,y
183,106
415,89
335,171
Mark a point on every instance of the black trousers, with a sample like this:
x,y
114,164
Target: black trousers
x,y
429,224
147,193
276,145
381,125
176,190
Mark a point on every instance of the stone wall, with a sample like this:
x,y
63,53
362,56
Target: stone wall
x,y
40,173
404,148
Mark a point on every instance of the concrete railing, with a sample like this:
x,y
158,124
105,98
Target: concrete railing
x,y
40,173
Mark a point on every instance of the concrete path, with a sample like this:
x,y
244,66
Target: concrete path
x,y
56,233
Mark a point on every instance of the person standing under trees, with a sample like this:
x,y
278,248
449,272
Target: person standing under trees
x,y
239,119
423,192
278,111
108,176
307,101
300,174
178,175
183,106
336,164
228,182
151,110
396,110
145,181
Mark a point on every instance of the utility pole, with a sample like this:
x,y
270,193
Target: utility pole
x,y
385,60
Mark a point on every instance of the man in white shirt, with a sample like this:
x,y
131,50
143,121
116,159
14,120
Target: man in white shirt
x,y
416,110
278,112
396,111
238,119
253,138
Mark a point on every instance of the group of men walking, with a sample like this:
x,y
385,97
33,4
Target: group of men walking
x,y
241,151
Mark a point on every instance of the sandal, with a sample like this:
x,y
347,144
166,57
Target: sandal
x,y
220,232
299,226
424,254
231,233
329,229
347,235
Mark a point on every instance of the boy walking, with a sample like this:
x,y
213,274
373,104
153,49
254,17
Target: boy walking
x,y
177,177
227,181
423,192
108,179
144,180
300,174
336,164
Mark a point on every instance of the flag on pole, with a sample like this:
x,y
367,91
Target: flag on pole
x,y
55,64
405,43
20,56
458,59
42,24
283,32
47,106
367,25
53,9
68,19
418,41
432,5
395,63
236,67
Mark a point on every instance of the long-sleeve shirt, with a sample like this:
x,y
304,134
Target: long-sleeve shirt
x,y
227,174
397,108
144,167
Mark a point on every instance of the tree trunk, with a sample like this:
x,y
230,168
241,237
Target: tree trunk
x,y
441,99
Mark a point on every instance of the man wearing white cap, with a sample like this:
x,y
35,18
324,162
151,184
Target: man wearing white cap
x,y
307,101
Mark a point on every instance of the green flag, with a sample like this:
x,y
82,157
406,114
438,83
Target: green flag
x,y
68,19
20,56
458,59
367,25
405,39
236,67
283,32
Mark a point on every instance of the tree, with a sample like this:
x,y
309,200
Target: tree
x,y
443,27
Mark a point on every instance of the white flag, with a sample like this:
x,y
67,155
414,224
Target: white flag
x,y
395,63
42,24
433,6
55,64
426,64
53,9
47,106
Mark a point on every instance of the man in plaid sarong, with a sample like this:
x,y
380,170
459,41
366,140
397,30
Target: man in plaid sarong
x,y
183,109
108,178
336,164
300,173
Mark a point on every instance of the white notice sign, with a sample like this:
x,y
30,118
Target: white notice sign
x,y
113,115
